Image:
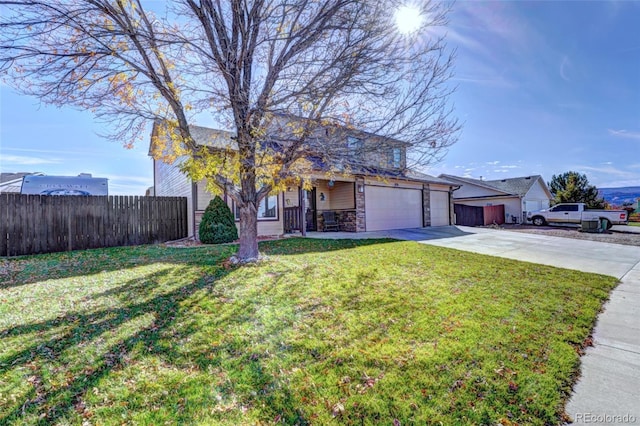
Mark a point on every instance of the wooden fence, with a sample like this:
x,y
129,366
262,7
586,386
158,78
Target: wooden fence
x,y
493,214
468,215
478,215
31,224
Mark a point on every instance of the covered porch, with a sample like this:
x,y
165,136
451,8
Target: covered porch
x,y
304,210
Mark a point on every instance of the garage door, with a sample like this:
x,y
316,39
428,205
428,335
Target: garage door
x,y
439,208
392,208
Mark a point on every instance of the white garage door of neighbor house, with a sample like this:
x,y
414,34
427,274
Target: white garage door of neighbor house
x,y
439,208
392,208
532,206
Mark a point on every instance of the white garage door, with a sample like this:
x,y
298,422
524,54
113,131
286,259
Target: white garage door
x,y
439,208
392,208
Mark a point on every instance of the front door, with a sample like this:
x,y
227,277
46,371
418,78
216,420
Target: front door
x,y
310,213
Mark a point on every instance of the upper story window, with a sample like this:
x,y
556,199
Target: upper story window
x,y
354,144
267,210
396,158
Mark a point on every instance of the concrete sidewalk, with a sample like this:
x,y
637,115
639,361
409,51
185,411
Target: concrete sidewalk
x,y
626,229
608,391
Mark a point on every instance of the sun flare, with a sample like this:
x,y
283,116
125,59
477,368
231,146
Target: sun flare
x,y
408,19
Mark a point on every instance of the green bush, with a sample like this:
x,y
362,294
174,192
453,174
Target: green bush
x,y
218,224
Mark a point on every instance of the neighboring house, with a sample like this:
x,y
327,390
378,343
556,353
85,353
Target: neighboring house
x,y
377,197
518,195
12,182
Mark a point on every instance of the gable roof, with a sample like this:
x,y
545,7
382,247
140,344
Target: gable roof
x,y
510,186
412,174
517,186
470,181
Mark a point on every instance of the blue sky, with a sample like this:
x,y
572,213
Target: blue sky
x,y
543,88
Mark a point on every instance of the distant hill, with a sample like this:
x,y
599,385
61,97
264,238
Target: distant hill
x,y
619,196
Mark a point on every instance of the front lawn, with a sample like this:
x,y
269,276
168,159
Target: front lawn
x,y
324,332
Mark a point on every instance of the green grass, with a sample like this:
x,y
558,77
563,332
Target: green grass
x,y
634,223
323,332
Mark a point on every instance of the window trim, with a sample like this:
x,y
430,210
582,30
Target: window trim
x,y
260,219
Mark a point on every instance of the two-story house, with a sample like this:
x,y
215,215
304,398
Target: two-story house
x,y
374,190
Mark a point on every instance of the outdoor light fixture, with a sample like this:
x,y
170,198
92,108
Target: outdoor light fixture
x,y
360,188
322,196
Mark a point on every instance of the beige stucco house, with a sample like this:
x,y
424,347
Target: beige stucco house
x,y
380,197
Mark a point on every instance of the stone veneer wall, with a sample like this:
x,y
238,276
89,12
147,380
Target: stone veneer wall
x,y
347,220
426,205
319,222
361,224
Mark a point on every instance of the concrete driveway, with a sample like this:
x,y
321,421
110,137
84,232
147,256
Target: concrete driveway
x,y
609,388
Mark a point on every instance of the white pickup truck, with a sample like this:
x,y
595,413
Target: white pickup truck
x,y
576,213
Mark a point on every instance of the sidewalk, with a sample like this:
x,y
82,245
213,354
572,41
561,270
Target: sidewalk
x,y
626,229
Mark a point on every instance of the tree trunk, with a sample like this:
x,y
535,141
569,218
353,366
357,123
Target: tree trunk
x,y
248,251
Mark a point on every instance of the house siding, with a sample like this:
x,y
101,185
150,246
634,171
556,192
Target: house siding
x,y
536,198
203,197
169,181
342,196
292,197
265,227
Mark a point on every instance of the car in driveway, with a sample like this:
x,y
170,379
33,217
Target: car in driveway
x,y
577,213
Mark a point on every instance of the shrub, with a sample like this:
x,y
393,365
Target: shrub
x,y
218,224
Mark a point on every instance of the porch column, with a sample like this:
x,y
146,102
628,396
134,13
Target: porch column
x,y
452,213
303,217
360,206
426,205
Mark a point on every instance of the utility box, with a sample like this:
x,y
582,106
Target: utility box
x,y
591,225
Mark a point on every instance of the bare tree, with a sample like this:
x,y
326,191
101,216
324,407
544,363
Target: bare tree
x,y
283,75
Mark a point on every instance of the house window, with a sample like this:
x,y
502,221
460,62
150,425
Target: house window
x,y
354,144
267,210
396,156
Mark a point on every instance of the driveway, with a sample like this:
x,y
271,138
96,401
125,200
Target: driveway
x,y
608,389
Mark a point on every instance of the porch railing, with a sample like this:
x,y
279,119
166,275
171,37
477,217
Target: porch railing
x,y
292,220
